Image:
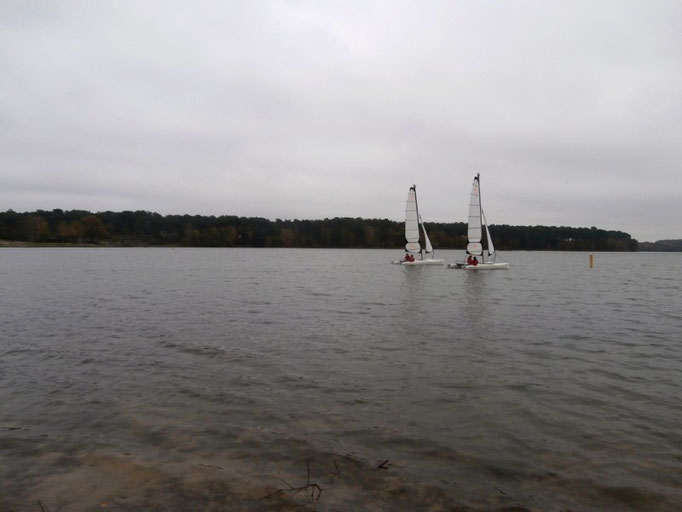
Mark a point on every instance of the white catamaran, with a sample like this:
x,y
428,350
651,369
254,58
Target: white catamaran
x,y
477,258
413,221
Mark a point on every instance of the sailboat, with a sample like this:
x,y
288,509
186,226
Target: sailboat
x,y
485,260
413,224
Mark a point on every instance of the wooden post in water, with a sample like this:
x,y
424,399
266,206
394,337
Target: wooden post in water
x,y
591,260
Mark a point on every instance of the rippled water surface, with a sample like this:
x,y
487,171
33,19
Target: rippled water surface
x,y
267,379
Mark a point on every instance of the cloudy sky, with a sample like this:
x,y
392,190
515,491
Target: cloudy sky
x,y
571,111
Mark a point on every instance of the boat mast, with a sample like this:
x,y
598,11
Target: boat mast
x,y
416,207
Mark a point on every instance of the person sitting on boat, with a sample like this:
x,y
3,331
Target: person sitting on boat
x,y
409,257
475,261
470,260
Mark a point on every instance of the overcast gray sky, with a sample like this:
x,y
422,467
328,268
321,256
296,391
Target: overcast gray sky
x,y
570,110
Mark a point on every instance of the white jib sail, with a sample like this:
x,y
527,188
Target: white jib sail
x,y
411,224
429,247
474,230
491,247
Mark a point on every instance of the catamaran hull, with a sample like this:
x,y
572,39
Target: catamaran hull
x,y
418,262
480,266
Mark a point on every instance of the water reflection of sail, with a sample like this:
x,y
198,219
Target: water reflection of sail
x,y
414,288
476,299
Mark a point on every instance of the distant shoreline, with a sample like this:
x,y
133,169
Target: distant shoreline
x,y
80,228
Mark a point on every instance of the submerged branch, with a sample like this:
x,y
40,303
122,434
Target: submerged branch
x,y
315,489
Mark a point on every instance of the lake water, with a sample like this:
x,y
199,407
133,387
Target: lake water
x,y
210,379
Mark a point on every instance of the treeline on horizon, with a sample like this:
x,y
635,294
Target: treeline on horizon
x,y
134,228
661,246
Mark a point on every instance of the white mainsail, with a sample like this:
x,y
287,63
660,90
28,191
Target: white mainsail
x,y
474,230
411,223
